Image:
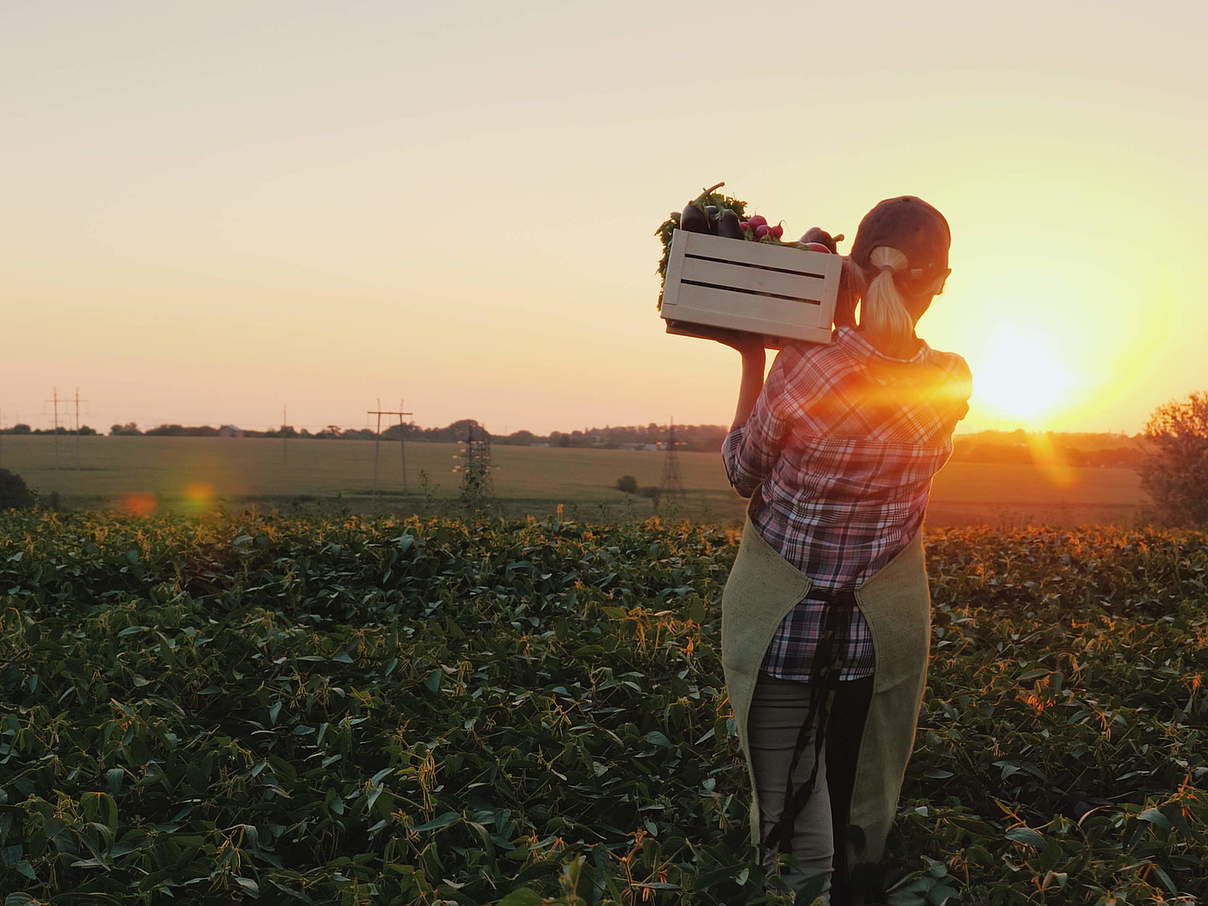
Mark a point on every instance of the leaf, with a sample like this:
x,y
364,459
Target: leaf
x,y
1155,817
434,679
249,885
654,737
437,823
1025,835
522,896
100,806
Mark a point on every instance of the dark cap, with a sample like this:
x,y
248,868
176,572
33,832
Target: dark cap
x,y
911,226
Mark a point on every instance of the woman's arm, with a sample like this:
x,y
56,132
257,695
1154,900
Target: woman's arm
x,y
754,360
753,445
754,363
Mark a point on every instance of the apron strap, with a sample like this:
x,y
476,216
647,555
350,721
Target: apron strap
x,y
829,658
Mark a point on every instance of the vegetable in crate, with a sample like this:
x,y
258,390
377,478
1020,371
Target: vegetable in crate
x,y
817,239
709,196
728,226
694,220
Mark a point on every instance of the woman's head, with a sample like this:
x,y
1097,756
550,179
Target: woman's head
x,y
900,258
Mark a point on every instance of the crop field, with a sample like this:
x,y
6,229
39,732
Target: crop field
x,y
193,472
335,709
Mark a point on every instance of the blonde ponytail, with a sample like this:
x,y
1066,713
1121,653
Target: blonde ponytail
x,y
882,311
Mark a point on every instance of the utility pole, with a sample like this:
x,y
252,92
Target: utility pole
x,y
77,428
1,438
377,440
284,440
55,401
402,443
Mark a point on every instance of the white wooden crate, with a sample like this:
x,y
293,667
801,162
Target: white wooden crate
x,y
778,291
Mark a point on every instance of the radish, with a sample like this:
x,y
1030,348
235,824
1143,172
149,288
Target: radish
x,y
757,220
777,230
761,231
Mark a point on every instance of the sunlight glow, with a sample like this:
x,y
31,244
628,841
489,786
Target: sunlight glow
x,y
1020,373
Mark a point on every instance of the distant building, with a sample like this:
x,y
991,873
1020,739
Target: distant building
x,y
230,431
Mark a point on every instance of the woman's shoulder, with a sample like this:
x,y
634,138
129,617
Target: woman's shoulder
x,y
828,357
953,384
952,362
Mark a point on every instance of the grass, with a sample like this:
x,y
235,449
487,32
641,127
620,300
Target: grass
x,y
175,471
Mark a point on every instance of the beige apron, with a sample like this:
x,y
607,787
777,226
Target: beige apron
x,y
896,603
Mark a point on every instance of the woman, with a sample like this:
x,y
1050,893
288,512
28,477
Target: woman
x,y
825,616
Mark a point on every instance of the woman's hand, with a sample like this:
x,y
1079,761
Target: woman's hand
x,y
749,344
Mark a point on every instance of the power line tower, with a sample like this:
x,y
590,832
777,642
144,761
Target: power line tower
x,y
672,485
377,440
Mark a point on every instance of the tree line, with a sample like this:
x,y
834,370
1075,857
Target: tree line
x,y
1102,450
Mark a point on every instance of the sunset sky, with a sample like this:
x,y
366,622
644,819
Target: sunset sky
x,y
214,209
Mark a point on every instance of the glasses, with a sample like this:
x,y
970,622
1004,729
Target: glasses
x,y
935,285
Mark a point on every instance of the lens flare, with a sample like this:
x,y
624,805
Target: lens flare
x,y
138,503
198,496
1050,460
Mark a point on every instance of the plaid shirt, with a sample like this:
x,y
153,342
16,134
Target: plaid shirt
x,y
838,455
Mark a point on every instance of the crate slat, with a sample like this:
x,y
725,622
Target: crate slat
x,y
752,279
776,291
757,312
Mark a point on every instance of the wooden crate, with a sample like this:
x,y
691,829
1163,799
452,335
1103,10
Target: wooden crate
x,y
781,292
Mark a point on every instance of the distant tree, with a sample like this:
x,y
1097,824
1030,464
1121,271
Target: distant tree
x,y
628,484
130,429
14,495
19,428
520,438
1175,470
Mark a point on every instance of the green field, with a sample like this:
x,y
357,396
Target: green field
x,y
336,710
527,479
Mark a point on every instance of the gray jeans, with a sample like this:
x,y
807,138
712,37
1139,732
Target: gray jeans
x,y
778,710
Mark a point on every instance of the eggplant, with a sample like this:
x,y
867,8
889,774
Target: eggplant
x,y
694,220
728,226
817,234
711,213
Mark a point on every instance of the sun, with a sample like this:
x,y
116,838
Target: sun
x,y
1020,374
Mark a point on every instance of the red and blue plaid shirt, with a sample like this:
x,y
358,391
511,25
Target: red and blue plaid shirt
x,y
838,455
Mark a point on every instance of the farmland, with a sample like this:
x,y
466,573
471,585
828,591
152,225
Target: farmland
x,y
197,470
331,709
